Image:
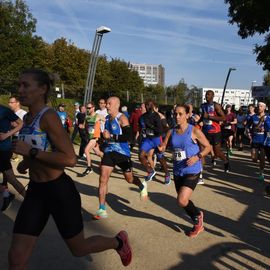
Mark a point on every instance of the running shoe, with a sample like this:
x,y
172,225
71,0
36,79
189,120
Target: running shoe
x,y
198,226
7,202
150,176
87,171
230,152
226,167
213,161
240,149
144,193
100,214
167,179
200,181
261,177
125,252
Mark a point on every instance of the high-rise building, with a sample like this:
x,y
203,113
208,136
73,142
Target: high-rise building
x,y
151,74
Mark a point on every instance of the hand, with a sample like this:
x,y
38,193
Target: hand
x,y
192,160
162,147
4,136
21,148
22,168
106,134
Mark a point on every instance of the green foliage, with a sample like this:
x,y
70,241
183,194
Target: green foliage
x,y
17,47
252,16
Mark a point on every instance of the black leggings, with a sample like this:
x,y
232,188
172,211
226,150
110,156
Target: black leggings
x,y
58,198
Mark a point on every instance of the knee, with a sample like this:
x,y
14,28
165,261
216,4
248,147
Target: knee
x,y
17,259
182,201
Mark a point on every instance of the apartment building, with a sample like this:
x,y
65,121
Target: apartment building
x,y
151,74
237,97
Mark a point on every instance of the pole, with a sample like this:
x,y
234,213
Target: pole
x,y
228,75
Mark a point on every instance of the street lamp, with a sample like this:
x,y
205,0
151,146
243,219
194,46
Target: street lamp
x,y
228,75
93,62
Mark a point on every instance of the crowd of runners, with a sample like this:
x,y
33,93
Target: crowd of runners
x,y
42,137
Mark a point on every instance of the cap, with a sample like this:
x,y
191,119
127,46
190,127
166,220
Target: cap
x,y
76,104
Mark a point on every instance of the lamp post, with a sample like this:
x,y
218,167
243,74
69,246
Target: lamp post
x,y
228,75
93,62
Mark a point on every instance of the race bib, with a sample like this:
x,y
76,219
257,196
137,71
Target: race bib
x,y
179,154
268,134
228,127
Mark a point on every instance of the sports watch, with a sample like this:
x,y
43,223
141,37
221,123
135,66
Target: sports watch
x,y
199,155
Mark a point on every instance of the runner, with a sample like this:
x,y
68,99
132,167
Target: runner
x,y
193,119
251,112
92,127
212,114
75,122
50,191
160,155
256,130
151,131
7,119
117,133
187,163
267,144
240,128
15,106
228,128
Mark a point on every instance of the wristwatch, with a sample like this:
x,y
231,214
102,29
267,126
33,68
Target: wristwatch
x,y
33,152
199,155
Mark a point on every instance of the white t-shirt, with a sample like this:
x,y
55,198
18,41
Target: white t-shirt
x,y
20,113
104,113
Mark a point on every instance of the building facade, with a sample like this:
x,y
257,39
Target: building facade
x,y
237,97
151,74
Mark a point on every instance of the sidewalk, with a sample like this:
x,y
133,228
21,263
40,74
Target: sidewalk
x,y
237,223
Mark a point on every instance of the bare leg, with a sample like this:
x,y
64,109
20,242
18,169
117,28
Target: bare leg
x,y
11,178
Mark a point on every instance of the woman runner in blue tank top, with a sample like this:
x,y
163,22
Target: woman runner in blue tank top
x,y
50,191
187,163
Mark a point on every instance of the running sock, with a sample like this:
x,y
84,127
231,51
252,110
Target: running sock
x,y
120,243
102,206
191,210
141,186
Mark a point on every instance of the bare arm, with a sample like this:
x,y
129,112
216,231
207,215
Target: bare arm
x,y
17,126
63,155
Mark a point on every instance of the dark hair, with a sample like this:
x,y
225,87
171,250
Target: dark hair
x,y
15,97
43,78
186,107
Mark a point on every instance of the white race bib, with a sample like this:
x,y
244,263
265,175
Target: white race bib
x,y
179,154
228,127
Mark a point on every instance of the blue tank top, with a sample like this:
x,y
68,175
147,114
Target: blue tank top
x,y
257,129
114,127
33,135
267,131
183,148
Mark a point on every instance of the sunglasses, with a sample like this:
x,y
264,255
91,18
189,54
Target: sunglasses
x,y
89,108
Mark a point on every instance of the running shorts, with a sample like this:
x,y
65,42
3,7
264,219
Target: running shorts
x,y
188,180
150,143
58,198
113,159
213,138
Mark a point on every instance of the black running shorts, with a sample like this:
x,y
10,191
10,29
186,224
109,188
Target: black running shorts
x,y
188,180
5,164
267,152
213,138
112,159
58,198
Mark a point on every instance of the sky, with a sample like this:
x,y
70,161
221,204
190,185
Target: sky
x,y
191,39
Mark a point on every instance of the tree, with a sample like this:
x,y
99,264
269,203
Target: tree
x,y
252,17
17,46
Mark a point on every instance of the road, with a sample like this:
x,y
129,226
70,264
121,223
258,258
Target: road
x,y
237,223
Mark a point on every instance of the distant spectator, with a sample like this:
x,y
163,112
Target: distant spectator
x,y
63,115
102,111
